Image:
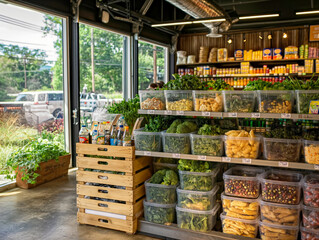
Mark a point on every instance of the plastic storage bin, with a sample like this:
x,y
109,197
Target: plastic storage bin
x,y
159,193
152,99
311,150
207,145
242,147
147,141
243,208
280,214
196,200
310,186
303,99
159,166
278,232
282,149
239,101
208,101
159,213
179,100
242,182
202,221
308,233
310,217
281,186
240,227
198,181
176,142
275,101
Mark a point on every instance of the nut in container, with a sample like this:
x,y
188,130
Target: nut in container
x,y
179,100
311,190
275,101
152,99
208,101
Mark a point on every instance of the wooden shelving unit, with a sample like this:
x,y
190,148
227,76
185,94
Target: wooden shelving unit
x,y
260,75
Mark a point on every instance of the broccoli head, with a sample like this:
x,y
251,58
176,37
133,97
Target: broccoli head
x,y
191,125
186,127
157,177
210,130
194,166
165,177
173,127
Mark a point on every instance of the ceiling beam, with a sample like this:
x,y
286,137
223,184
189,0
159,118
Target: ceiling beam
x,y
146,6
241,3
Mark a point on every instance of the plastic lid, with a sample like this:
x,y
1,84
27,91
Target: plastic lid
x,y
95,125
145,203
224,216
280,205
296,178
244,173
147,183
211,192
224,196
212,173
212,212
83,125
314,178
284,227
284,140
121,126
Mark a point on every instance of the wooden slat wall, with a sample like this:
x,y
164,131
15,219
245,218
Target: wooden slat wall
x,y
296,37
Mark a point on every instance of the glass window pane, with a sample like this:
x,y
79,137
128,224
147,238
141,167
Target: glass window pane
x,y
41,97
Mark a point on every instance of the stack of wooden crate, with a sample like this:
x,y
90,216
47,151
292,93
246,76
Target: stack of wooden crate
x,y
110,186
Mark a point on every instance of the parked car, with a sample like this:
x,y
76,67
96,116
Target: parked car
x,y
90,101
51,101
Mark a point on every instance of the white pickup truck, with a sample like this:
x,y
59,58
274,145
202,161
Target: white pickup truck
x,y
91,101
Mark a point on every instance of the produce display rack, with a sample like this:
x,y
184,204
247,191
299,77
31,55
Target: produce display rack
x,y
122,176
173,232
232,114
247,161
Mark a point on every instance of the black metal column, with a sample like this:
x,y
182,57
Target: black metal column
x,y
135,64
74,63
171,67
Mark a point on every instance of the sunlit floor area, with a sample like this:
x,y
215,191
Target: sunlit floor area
x,y
48,212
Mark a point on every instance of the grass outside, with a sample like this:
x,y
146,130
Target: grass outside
x,y
115,95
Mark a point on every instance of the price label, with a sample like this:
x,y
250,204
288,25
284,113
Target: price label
x,y
299,73
179,112
232,115
147,153
201,157
267,74
255,115
280,74
285,115
176,155
275,74
246,161
286,74
205,114
283,164
226,159
168,112
150,111
316,167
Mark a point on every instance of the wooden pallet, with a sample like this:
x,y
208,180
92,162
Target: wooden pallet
x,y
129,189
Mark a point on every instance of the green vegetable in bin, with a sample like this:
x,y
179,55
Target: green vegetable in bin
x,y
196,182
165,177
195,166
166,160
195,202
194,222
159,215
239,103
212,130
148,143
304,101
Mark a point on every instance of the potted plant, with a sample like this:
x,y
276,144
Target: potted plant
x,y
37,162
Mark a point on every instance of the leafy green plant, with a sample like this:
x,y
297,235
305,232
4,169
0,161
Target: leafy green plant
x,y
195,166
195,221
217,85
159,215
28,158
185,82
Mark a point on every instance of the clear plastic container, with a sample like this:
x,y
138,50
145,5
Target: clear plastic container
x,y
207,145
208,101
310,185
311,150
242,147
159,213
159,193
279,149
179,100
197,200
308,233
280,214
310,217
160,166
303,99
277,232
202,221
240,227
275,101
243,208
147,141
198,181
239,101
242,182
152,99
281,186
176,142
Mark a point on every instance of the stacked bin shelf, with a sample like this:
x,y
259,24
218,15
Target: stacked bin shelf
x,y
110,186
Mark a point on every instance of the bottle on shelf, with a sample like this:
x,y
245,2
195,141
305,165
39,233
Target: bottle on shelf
x,y
120,136
127,137
95,134
113,139
101,135
107,135
84,135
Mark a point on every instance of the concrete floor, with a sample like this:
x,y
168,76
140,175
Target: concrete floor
x,y
48,212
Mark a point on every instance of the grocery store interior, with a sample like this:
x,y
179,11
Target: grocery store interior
x,y
159,119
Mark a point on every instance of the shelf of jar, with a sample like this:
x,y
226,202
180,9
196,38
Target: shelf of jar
x,y
260,75
232,114
173,232
247,161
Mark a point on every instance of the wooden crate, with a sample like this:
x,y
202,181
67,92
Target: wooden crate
x,y
129,184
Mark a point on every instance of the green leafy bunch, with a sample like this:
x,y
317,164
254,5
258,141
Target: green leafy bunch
x,y
165,177
159,215
194,221
212,130
194,166
185,82
217,85
178,126
129,109
157,124
28,158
